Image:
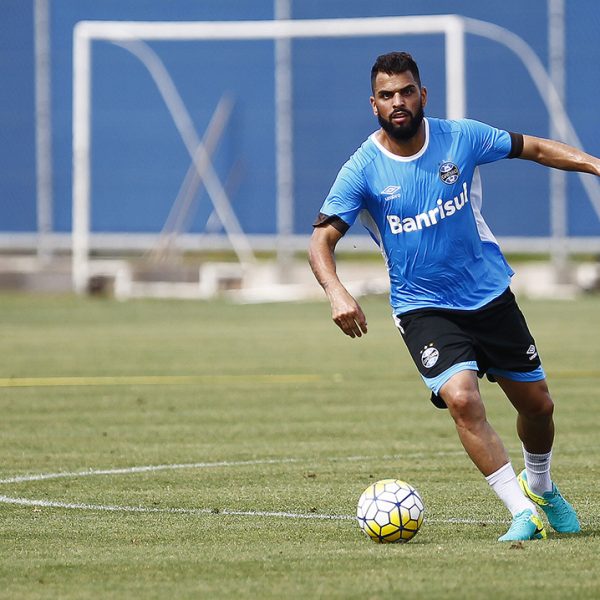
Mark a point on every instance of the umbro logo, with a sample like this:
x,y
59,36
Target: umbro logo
x,y
391,192
532,352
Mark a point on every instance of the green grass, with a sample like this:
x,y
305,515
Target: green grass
x,y
304,419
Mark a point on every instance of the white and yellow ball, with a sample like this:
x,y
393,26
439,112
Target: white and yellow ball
x,y
390,510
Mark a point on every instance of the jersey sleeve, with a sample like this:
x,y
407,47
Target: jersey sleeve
x,y
346,198
489,143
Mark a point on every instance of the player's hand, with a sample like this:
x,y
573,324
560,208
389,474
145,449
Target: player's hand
x,y
348,315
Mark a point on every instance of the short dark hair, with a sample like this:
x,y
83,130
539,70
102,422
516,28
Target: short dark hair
x,y
393,63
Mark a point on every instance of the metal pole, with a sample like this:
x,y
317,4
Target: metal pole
x,y
284,144
82,82
456,87
558,179
43,129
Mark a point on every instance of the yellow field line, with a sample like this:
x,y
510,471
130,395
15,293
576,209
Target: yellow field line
x,y
14,382
19,382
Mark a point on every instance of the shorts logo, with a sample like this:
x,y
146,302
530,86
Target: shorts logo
x,y
449,173
532,352
429,356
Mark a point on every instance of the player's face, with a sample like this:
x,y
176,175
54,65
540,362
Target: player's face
x,y
398,104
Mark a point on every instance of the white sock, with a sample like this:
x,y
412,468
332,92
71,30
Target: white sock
x,y
538,471
504,483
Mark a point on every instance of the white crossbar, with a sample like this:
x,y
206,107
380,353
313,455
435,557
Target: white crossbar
x,y
266,30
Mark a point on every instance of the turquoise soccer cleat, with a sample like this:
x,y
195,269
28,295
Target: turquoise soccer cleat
x,y
525,526
561,515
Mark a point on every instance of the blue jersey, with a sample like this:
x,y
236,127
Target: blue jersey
x,y
424,211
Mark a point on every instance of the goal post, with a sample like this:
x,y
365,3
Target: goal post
x,y
86,32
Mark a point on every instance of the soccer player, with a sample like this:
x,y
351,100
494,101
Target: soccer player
x,y
414,184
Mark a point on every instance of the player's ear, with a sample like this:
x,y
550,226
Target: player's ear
x,y
424,96
373,106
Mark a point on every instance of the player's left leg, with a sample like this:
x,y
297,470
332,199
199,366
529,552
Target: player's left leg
x,y
535,426
535,408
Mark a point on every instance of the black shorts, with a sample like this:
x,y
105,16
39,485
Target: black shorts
x,y
492,340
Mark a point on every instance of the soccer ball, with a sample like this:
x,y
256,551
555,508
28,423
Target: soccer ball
x,y
390,511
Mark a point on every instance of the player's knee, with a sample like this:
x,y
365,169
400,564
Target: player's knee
x,y
541,405
465,404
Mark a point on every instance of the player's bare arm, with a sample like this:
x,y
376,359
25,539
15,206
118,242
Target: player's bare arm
x,y
345,310
558,155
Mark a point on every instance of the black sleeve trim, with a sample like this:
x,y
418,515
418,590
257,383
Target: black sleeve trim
x,y
516,149
332,220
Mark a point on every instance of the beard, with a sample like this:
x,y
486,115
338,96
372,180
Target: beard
x,y
405,132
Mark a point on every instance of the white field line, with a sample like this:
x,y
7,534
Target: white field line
x,y
202,511
186,511
210,465
211,511
144,469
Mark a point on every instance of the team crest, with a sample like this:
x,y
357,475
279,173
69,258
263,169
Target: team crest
x,y
449,173
429,356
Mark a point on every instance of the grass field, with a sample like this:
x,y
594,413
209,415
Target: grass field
x,y
265,424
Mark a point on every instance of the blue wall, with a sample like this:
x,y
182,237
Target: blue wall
x,y
139,160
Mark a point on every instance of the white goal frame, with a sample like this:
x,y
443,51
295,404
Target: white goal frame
x,y
85,32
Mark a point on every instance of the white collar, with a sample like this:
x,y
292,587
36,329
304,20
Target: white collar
x,y
404,158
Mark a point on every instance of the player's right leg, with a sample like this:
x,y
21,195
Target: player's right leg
x,y
482,443
486,450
